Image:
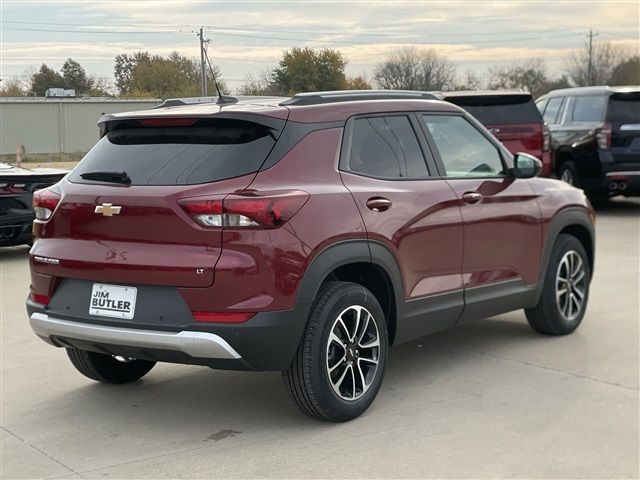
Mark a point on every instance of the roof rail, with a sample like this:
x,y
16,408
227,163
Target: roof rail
x,y
173,102
317,98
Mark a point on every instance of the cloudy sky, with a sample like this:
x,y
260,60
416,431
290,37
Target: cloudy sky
x,y
249,36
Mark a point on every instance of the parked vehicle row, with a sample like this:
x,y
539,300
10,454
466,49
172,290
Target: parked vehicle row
x,y
17,186
304,234
595,136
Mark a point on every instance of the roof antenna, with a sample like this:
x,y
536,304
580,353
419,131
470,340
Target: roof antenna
x,y
222,99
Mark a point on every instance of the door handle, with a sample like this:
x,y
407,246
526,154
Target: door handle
x,y
378,204
471,197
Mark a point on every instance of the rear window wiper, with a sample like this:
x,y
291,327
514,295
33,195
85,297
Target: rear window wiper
x,y
106,176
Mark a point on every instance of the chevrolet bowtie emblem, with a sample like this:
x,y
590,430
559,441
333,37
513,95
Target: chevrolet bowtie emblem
x,y
107,209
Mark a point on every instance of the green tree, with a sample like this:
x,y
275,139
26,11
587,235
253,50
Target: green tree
x,y
307,69
75,77
162,77
45,78
626,72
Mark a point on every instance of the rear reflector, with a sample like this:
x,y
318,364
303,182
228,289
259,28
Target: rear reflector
x,y
45,202
247,210
166,122
39,298
222,317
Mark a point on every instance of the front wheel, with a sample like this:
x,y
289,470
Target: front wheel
x,y
565,291
338,368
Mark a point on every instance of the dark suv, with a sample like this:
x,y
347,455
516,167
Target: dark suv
x,y
513,119
595,137
305,235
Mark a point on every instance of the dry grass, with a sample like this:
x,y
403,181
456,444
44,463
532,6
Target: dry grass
x,y
44,160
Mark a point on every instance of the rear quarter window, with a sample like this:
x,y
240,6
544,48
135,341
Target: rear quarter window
x,y
589,108
500,109
624,108
209,151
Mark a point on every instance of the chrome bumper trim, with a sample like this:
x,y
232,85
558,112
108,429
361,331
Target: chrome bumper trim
x,y
195,344
631,173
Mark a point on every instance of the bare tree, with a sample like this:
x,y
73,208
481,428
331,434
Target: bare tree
x,y
470,81
594,63
529,75
260,84
415,68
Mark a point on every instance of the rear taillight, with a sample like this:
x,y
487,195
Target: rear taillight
x,y
222,317
247,210
603,137
546,139
45,202
39,298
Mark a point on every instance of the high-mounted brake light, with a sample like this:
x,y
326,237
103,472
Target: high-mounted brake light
x,y
45,202
603,137
248,210
167,122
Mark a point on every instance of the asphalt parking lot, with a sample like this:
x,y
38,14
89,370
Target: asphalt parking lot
x,y
487,400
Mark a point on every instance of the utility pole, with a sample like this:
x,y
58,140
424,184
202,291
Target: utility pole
x,y
203,70
590,79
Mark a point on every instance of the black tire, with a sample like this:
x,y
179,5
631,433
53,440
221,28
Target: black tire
x,y
308,381
547,316
568,173
105,368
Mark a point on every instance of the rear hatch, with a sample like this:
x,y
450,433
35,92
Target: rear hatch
x,y
512,118
623,115
118,219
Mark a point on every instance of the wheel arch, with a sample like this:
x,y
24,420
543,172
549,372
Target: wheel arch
x,y
573,221
360,261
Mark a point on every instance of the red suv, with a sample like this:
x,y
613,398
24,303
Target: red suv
x,y
305,235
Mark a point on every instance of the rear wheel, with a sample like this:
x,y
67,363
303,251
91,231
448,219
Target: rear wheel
x,y
108,369
566,289
339,366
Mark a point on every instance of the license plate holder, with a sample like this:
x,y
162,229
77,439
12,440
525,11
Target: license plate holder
x,y
115,301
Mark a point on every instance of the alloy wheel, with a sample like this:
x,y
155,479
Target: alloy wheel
x,y
353,351
571,285
567,176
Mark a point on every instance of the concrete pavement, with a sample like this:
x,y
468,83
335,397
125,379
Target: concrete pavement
x,y
486,400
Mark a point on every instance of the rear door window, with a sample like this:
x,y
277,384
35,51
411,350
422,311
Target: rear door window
x,y
207,151
500,109
589,108
386,147
552,114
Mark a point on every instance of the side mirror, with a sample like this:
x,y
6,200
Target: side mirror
x,y
526,166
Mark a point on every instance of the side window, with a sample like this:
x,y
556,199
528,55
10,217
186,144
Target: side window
x,y
589,108
541,104
551,114
464,150
386,147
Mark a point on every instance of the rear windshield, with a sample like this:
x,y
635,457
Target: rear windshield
x,y
209,151
500,109
624,108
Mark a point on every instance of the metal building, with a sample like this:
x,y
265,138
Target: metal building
x,y
57,125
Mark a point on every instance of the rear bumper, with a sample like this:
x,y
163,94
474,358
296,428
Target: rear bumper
x,y
266,342
15,228
194,344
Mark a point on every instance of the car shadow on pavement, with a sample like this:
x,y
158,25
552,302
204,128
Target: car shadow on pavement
x,y
178,399
628,207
